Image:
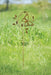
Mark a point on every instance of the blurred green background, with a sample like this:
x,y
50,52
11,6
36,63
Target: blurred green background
x,y
37,48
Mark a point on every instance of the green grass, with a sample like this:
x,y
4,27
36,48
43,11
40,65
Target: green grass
x,y
37,47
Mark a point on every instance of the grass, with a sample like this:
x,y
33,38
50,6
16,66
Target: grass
x,y
37,43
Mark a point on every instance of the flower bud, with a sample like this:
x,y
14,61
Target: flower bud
x,y
26,21
22,25
16,22
32,17
15,16
26,28
26,31
24,11
13,23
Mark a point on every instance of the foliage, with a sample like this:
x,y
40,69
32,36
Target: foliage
x,y
37,44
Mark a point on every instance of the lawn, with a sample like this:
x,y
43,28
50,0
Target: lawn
x,y
37,48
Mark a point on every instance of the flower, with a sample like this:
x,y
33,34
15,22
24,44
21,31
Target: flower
x,y
26,21
26,28
13,23
24,11
16,22
32,17
15,16
22,25
26,31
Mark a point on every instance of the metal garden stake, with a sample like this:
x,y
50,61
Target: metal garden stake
x,y
26,21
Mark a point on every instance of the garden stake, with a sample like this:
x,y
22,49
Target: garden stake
x,y
23,48
25,23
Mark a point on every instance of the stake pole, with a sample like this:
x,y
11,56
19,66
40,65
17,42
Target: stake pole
x,y
23,47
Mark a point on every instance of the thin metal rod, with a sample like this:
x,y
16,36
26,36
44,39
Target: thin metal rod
x,y
23,47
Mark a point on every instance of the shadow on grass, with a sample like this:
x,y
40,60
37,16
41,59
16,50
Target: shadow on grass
x,y
2,10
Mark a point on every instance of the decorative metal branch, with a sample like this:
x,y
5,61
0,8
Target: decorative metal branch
x,y
26,21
